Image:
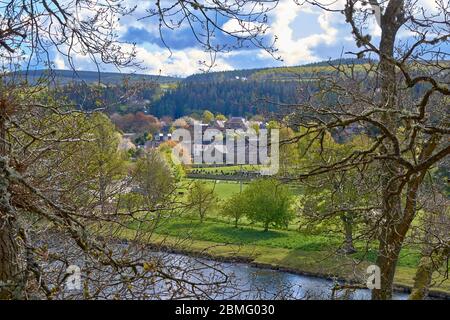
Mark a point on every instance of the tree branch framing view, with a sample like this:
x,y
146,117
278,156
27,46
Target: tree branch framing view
x,y
224,150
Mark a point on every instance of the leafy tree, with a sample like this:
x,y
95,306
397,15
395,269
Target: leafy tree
x,y
335,201
208,116
235,207
154,189
154,179
138,123
102,160
255,126
221,117
268,202
178,170
201,198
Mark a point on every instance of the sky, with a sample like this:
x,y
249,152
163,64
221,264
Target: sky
x,y
304,34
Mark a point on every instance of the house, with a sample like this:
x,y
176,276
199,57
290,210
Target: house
x,y
157,140
236,123
218,124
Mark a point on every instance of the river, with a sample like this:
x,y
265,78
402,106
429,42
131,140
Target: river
x,y
179,276
248,282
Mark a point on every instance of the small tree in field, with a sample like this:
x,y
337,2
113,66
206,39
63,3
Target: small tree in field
x,y
268,202
201,198
236,207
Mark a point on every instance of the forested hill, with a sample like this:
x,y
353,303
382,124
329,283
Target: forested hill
x,y
63,77
236,93
275,73
239,92
234,97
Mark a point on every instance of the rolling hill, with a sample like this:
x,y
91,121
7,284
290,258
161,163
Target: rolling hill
x,y
236,92
63,77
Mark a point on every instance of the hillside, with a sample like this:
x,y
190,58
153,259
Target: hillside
x,y
240,92
63,77
235,97
236,93
292,73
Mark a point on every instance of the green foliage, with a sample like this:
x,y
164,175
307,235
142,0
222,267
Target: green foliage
x,y
255,127
143,138
221,117
207,117
201,198
178,171
233,97
273,125
235,207
265,201
153,177
96,161
84,162
130,202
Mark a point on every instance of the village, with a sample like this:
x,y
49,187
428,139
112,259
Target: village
x,y
245,132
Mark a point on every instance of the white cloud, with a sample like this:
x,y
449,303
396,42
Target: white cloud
x,y
300,50
242,29
59,62
153,59
180,63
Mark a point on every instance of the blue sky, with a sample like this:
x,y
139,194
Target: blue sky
x,y
304,34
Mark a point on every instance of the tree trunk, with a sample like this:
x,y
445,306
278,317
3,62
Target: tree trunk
x,y
348,247
9,260
393,233
387,262
9,251
422,279
10,282
424,274
389,239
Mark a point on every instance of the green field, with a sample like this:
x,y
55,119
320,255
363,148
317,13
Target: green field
x,y
218,231
225,189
